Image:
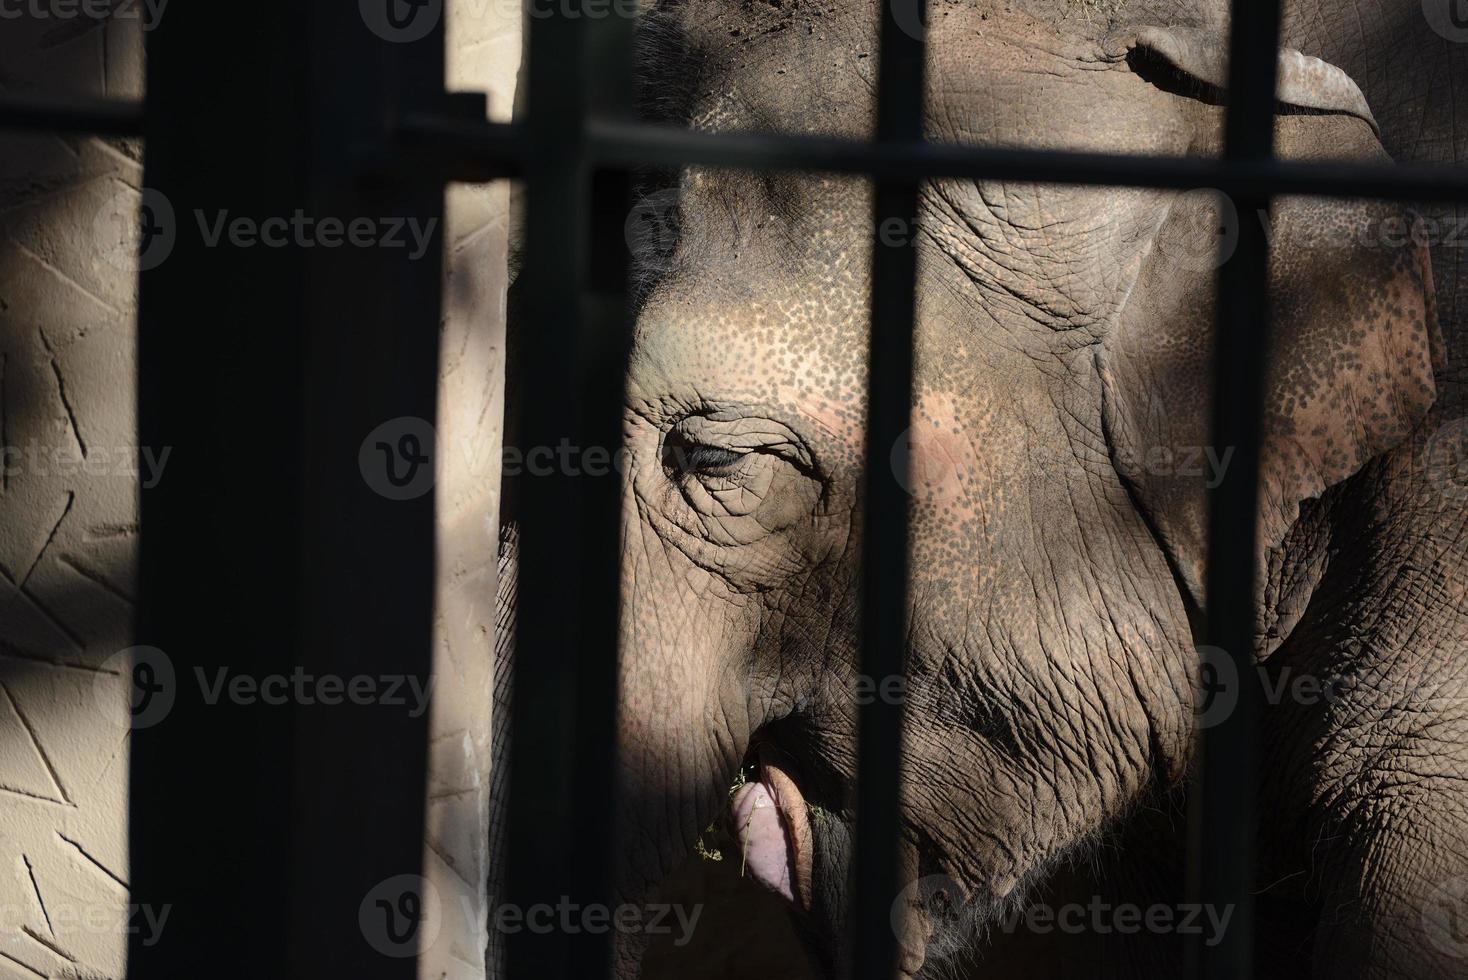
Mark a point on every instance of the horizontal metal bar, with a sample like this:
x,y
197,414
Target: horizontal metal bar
x,y
631,144
99,117
472,151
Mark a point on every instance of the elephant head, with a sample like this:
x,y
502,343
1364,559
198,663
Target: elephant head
x,y
1059,450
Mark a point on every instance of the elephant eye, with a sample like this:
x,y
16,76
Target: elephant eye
x,y
682,456
725,467
707,460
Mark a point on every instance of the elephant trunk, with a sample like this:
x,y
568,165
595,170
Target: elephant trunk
x,y
499,773
672,782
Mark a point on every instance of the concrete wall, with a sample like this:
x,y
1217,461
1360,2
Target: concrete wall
x,y
68,532
484,55
68,506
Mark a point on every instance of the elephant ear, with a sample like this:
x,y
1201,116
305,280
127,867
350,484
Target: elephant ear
x,y
1354,340
1200,58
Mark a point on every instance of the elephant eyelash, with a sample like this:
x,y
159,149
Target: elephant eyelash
x,y
711,460
684,457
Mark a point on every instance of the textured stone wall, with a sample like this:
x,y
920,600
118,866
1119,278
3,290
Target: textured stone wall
x,y
68,506
484,47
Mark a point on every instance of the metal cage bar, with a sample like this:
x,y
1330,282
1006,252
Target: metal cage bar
x,y
885,516
555,643
1223,819
443,147
287,838
477,151
95,117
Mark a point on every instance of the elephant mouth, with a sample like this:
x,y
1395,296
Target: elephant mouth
x,y
769,820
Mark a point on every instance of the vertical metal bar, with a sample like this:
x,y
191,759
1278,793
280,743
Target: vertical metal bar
x,y
885,514
210,785
1223,818
563,711
601,366
371,322
270,552
603,372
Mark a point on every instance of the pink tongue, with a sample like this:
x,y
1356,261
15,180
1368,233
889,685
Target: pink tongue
x,y
763,837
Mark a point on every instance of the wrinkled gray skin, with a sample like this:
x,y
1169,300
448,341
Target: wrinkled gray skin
x,y
1063,352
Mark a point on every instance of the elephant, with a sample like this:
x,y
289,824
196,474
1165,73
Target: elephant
x,y
1058,464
